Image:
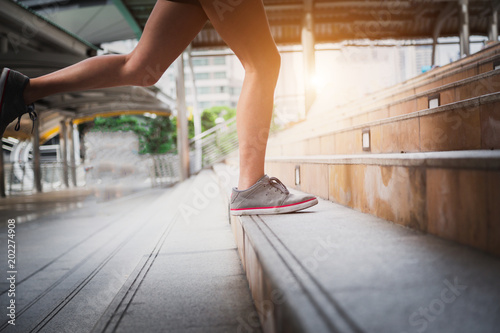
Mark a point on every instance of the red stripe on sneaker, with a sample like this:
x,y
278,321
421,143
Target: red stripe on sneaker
x,y
3,92
298,203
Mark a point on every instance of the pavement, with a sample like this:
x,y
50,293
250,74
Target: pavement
x,y
160,260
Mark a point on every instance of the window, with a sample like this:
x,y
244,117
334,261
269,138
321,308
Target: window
x,y
202,76
200,62
204,105
219,60
235,90
219,75
220,89
204,90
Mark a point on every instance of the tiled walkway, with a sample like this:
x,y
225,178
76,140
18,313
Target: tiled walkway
x,y
154,261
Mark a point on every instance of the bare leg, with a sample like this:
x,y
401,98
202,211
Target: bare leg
x,y
244,27
169,30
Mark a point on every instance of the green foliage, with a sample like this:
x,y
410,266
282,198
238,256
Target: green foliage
x,y
209,116
159,135
158,139
155,135
121,123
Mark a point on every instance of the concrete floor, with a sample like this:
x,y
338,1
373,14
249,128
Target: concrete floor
x,y
161,260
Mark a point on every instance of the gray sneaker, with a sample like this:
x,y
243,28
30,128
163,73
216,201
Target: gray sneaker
x,y
268,196
12,104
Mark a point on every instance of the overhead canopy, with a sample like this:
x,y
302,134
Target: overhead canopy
x,y
336,21
100,21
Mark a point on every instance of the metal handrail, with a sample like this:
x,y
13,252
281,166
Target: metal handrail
x,y
218,127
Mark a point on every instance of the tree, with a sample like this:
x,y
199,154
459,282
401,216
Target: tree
x,y
209,117
156,136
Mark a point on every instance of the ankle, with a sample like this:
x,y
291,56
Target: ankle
x,y
245,183
26,95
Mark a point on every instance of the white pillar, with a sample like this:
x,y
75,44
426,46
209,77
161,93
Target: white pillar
x,y
37,167
464,27
63,143
308,54
196,115
493,27
182,123
71,135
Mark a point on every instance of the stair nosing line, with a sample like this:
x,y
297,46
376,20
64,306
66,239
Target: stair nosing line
x,y
346,321
324,292
465,159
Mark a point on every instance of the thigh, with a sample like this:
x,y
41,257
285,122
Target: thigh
x,y
168,31
244,27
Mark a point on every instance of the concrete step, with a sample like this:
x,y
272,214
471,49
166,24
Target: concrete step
x,y
333,269
453,195
153,263
465,125
476,86
480,63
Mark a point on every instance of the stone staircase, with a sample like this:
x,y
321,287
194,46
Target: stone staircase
x,y
394,170
421,154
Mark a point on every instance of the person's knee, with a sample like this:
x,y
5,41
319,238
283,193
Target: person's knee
x,y
140,72
266,63
275,62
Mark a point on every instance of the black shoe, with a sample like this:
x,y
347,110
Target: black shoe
x,y
12,104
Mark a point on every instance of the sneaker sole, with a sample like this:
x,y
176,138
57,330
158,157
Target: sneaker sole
x,y
275,210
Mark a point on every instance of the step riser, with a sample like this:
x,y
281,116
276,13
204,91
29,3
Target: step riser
x,y
339,120
437,80
456,204
464,128
404,103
